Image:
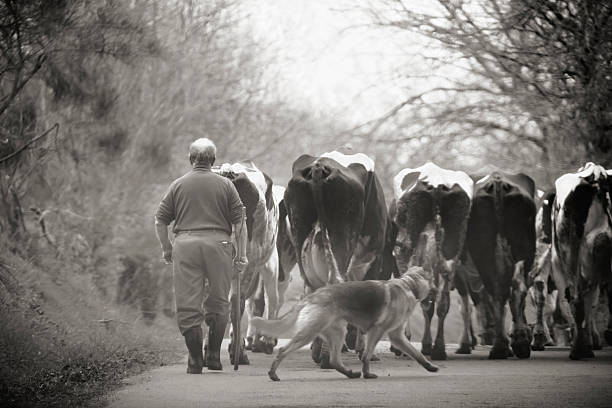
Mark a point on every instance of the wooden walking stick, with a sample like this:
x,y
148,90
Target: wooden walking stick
x,y
237,338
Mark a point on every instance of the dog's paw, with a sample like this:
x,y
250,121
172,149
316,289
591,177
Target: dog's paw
x,y
273,376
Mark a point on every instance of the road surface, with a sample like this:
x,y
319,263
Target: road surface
x,y
547,379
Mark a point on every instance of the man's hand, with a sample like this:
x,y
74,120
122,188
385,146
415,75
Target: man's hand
x,y
240,264
167,256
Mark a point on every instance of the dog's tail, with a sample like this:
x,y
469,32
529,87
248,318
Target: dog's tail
x,y
278,327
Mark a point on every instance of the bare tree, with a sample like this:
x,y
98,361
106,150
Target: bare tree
x,y
515,82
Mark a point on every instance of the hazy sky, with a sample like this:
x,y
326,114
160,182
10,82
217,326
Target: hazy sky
x,y
326,59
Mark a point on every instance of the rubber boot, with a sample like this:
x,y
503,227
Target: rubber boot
x,y
194,340
216,329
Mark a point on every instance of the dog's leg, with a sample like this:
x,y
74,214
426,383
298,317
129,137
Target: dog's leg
x,y
399,340
334,336
371,339
298,341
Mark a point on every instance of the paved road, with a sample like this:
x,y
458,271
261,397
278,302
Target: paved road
x,y
549,379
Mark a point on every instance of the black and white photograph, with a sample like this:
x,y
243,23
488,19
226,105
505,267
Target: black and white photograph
x,y
305,203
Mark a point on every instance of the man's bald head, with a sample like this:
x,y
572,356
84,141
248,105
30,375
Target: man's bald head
x,y
203,152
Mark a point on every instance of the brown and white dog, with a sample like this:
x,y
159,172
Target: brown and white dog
x,y
375,307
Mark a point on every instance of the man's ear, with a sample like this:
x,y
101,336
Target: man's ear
x,y
212,162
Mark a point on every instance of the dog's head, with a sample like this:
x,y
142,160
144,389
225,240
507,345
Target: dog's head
x,y
420,282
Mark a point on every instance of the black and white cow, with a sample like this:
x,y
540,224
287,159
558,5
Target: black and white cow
x,y
259,303
543,292
582,249
338,219
430,211
256,192
501,242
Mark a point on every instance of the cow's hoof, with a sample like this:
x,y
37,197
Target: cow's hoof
x,y
521,342
438,353
431,368
500,352
249,343
243,359
344,349
269,348
539,341
315,350
521,349
596,341
259,346
374,357
464,348
325,360
395,351
608,336
369,376
426,349
580,352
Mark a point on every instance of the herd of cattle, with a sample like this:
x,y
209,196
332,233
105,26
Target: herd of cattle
x,y
490,237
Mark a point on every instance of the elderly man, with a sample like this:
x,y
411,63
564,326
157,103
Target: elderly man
x,y
208,215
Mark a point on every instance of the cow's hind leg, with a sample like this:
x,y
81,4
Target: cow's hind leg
x,y
315,350
583,344
428,305
439,350
466,339
540,331
521,333
608,332
501,348
269,277
399,340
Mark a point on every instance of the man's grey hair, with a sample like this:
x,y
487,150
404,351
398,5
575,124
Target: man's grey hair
x,y
202,151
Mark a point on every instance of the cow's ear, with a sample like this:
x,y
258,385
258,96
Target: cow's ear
x,y
301,163
409,180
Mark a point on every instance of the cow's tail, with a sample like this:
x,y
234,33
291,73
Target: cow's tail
x,y
498,203
279,327
318,177
503,253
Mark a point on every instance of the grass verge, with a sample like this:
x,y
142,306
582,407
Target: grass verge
x,y
62,344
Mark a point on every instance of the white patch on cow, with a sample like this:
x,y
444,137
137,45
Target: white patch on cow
x,y
254,175
540,193
278,192
568,182
435,176
348,159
